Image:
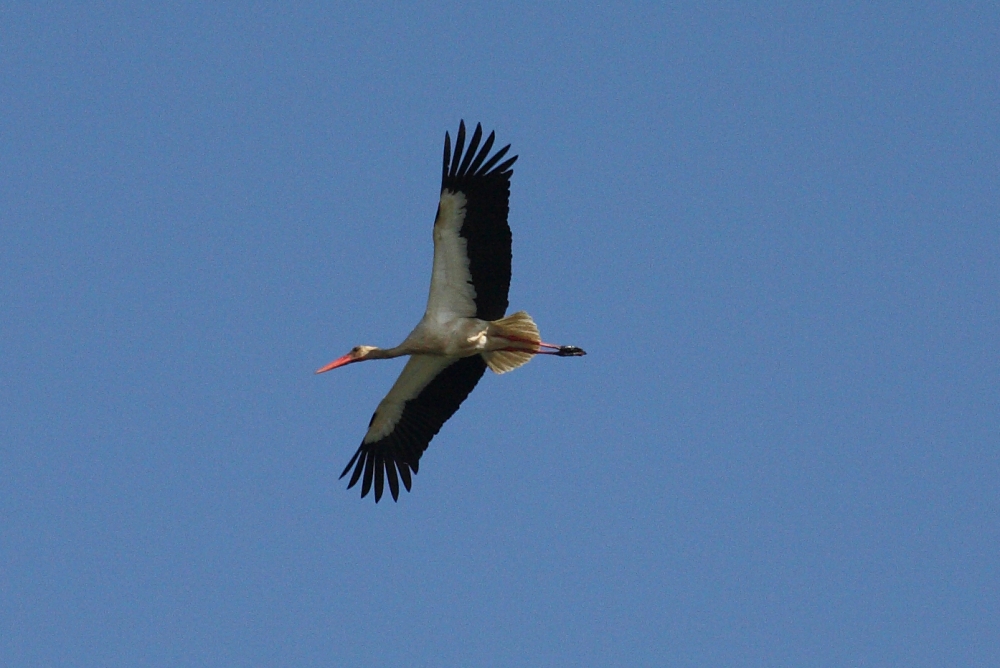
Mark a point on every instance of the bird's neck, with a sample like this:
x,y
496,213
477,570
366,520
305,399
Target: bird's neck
x,y
386,353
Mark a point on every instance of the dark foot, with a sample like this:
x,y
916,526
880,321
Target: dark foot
x,y
569,351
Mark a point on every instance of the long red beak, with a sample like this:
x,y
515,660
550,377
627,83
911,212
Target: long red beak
x,y
340,361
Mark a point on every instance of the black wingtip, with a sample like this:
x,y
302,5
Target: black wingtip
x,y
483,153
505,168
459,147
470,153
404,473
379,477
390,472
376,471
366,483
447,155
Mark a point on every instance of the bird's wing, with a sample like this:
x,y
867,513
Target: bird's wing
x,y
471,273
428,392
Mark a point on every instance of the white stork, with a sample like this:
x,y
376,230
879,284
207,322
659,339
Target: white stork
x,y
463,330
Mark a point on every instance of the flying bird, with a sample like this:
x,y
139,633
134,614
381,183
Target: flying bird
x,y
463,331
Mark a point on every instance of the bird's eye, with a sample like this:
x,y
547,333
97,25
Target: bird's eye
x,y
356,349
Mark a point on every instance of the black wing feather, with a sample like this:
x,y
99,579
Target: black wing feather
x,y
366,484
459,144
447,156
485,229
404,473
390,471
379,475
485,151
350,464
496,158
420,421
471,151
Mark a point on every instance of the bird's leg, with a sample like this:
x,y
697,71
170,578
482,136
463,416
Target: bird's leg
x,y
560,351
518,339
563,351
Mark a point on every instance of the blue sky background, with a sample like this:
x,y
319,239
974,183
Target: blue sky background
x,y
773,227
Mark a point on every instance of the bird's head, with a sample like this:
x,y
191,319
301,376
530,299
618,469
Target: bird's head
x,y
356,354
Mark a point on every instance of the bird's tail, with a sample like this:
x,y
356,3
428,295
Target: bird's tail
x,y
521,332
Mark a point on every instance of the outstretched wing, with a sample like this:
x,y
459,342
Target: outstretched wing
x,y
471,273
428,392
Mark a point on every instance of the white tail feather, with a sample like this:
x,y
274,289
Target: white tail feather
x,y
520,326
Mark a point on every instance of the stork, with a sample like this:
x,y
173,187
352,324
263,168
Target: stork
x,y
463,331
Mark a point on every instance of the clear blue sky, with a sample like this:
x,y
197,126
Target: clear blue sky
x,y
774,229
